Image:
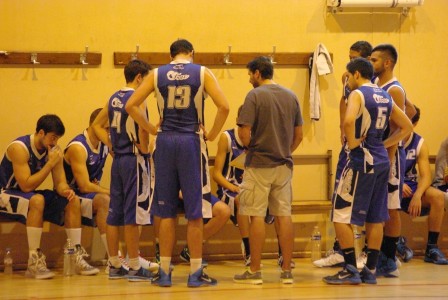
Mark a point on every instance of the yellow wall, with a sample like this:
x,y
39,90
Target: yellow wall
x,y
249,26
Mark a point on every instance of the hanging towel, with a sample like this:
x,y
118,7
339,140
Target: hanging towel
x,y
320,65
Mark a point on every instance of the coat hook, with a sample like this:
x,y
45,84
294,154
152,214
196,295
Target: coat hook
x,y
5,53
272,55
227,56
83,57
134,56
34,59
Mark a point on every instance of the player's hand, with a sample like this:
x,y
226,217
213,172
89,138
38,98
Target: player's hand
x,y
407,191
235,189
69,194
205,133
415,207
55,155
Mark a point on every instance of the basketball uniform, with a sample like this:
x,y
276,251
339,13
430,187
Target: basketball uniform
x,y
412,150
397,170
180,155
96,158
361,195
130,189
232,174
14,203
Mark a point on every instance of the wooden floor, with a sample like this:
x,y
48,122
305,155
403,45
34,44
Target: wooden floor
x,y
418,280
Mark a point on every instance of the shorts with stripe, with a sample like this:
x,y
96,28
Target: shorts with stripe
x,y
361,197
396,179
87,215
180,163
130,191
14,205
264,188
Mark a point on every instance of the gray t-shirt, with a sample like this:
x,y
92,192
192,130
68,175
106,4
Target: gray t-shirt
x,y
272,111
441,163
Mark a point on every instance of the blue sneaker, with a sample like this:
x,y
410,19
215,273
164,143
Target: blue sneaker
x,y
348,275
386,267
200,278
117,273
185,256
162,279
404,251
367,276
141,274
435,256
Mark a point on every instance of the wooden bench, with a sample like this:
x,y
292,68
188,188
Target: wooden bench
x,y
307,212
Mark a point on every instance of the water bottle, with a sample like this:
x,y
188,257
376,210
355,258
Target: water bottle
x,y
315,244
358,240
69,259
7,261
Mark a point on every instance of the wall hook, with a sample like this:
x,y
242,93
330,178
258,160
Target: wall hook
x,y
134,56
34,59
227,56
83,57
272,55
5,53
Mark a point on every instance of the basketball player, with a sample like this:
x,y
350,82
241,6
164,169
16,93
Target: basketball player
x,y
419,197
130,174
180,87
441,174
383,58
26,164
361,195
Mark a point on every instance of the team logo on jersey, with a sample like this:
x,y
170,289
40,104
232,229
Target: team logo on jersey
x,y
172,75
380,99
117,103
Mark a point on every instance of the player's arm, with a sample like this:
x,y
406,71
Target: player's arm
x,y
342,106
244,133
424,180
60,181
138,97
100,126
219,165
219,99
353,107
410,109
19,157
403,129
298,137
76,156
143,136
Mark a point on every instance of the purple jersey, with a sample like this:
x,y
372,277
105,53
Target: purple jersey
x,y
232,174
123,129
412,148
371,122
36,162
180,96
96,158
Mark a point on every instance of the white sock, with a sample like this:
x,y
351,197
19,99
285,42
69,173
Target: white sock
x,y
74,234
165,263
195,264
104,239
33,234
134,263
115,261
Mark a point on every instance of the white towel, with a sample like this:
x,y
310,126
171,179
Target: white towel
x,y
322,65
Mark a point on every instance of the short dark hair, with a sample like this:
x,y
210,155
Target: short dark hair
x,y
264,65
362,65
389,50
93,115
135,67
50,123
363,47
180,46
416,117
